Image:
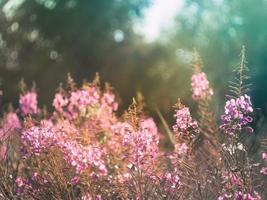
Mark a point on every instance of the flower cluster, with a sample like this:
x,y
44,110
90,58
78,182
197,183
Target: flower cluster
x,y
10,124
28,103
232,178
142,145
200,86
239,196
24,188
83,149
184,121
83,157
236,116
264,169
172,180
89,197
37,139
77,101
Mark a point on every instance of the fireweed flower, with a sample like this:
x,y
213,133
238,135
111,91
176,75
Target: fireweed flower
x,y
82,98
37,139
87,196
59,102
74,180
142,144
231,177
24,187
240,196
171,180
11,121
245,196
83,157
264,169
36,177
77,101
236,116
28,103
184,121
200,86
108,101
10,124
264,156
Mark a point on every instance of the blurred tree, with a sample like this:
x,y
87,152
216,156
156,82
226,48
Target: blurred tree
x,y
218,29
42,40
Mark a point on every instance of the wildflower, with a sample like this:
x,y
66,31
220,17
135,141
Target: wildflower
x,y
74,180
28,103
83,157
20,181
38,178
108,100
236,116
142,144
24,188
80,99
87,196
11,122
245,196
171,179
184,121
232,177
200,86
37,139
59,102
264,155
240,196
263,171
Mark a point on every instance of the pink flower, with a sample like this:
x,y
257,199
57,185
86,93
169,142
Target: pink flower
x,y
82,98
264,155
87,196
28,103
142,145
10,124
264,171
200,86
74,180
59,102
171,180
232,177
38,139
184,121
20,181
83,157
108,100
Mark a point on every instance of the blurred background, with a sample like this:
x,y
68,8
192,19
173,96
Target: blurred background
x,y
135,45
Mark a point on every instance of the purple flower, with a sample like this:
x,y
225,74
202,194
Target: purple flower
x,y
37,139
237,115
